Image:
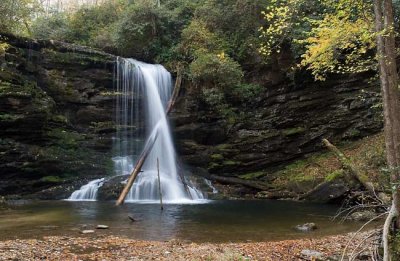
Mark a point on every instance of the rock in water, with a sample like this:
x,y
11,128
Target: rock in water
x,y
102,227
87,231
306,227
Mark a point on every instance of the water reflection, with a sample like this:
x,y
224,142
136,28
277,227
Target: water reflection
x,y
218,221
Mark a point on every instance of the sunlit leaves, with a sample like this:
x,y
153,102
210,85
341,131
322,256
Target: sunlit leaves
x,y
333,36
16,15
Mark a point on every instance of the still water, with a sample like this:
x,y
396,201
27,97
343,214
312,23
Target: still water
x,y
216,221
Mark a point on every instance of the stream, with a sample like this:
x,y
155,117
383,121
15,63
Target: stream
x,y
216,221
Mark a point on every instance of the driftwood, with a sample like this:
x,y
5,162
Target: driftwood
x,y
150,142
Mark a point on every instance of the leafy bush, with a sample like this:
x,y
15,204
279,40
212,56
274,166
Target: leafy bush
x,y
247,91
55,27
211,70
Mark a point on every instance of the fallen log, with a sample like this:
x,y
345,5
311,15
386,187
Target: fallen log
x,y
150,142
354,172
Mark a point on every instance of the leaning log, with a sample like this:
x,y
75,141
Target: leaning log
x,y
138,167
354,172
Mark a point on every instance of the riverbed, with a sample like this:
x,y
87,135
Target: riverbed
x,y
212,221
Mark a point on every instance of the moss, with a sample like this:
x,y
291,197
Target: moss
x,y
293,131
52,179
213,165
270,134
223,146
59,118
334,175
10,117
64,138
74,58
99,126
252,175
217,157
230,163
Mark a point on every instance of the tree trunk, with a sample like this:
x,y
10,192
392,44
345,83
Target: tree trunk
x,y
384,25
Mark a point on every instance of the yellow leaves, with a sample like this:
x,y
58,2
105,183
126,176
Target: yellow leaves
x,y
337,40
3,48
221,56
339,46
278,18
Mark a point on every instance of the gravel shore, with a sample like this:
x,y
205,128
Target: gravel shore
x,y
92,247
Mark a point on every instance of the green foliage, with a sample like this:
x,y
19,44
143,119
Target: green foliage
x,y
215,70
16,15
54,27
88,26
247,92
137,32
214,40
327,36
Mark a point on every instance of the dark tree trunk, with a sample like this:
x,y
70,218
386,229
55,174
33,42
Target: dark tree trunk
x,y
384,24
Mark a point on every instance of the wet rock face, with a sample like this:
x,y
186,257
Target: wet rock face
x,y
286,122
56,117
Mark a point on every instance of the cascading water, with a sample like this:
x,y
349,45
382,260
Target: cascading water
x,y
144,90
87,192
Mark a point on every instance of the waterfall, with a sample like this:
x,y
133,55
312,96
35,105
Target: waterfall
x,y
144,91
87,192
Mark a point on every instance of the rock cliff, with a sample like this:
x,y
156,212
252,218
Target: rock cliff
x,y
56,120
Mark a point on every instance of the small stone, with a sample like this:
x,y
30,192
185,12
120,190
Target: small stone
x,y
87,231
102,227
306,227
311,254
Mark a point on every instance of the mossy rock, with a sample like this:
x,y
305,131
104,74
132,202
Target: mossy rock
x,y
252,175
52,179
293,131
335,175
217,157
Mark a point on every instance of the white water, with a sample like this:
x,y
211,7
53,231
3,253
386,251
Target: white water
x,y
87,192
143,91
152,84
